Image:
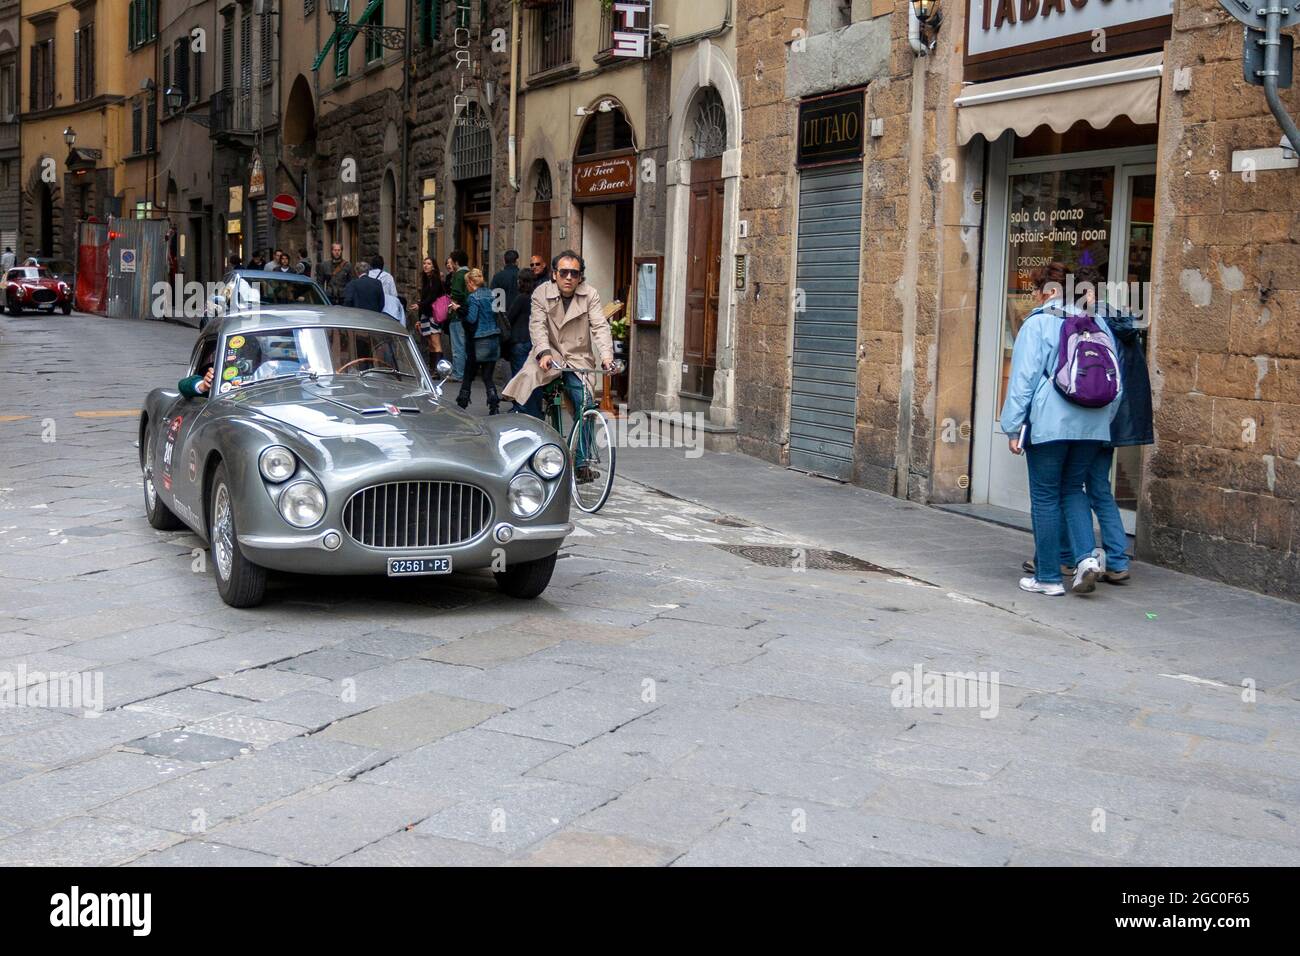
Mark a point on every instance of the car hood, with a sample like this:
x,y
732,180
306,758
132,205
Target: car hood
x,y
39,283
340,405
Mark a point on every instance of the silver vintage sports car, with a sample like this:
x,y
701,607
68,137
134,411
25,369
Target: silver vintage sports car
x,y
324,447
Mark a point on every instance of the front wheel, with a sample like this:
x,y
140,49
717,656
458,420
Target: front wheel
x,y
67,308
14,309
591,453
240,582
527,579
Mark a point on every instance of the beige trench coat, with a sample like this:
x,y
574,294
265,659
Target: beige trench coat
x,y
579,337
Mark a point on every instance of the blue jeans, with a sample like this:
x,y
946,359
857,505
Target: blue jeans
x,y
1057,471
457,349
1114,539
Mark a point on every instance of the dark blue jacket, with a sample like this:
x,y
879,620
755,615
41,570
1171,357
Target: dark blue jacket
x,y
364,292
1132,424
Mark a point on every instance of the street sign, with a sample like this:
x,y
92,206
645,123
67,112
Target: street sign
x,y
128,260
284,207
1253,13
1252,58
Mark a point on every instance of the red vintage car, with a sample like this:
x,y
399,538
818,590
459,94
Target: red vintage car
x,y
35,287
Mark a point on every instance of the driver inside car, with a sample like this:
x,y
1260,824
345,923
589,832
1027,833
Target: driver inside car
x,y
196,386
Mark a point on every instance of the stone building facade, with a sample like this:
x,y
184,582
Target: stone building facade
x,y
891,373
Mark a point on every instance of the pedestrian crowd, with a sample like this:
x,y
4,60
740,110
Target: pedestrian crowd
x,y
528,317
1078,389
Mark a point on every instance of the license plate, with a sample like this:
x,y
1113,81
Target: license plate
x,y
401,567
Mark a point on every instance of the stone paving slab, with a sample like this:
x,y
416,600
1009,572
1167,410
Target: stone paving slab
x,y
320,828
664,702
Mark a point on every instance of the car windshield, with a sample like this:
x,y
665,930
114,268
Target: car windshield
x,y
268,290
252,357
30,272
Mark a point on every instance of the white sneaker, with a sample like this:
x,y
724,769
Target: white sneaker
x,y
1100,555
1035,586
1085,575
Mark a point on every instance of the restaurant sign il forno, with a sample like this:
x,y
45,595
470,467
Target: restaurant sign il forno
x,y
830,129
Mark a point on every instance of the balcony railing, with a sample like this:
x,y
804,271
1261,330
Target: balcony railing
x,y
230,112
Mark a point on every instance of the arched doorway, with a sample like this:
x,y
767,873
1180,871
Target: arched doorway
x,y
471,174
707,140
542,191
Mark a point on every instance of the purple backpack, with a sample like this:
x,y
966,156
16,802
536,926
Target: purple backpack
x,y
1087,368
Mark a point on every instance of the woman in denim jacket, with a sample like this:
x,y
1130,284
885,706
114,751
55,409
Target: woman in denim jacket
x,y
482,342
1060,441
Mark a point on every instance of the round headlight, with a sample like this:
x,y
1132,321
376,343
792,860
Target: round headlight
x,y
527,495
548,461
277,463
302,504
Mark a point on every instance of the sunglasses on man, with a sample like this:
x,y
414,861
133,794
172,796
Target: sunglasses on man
x,y
569,273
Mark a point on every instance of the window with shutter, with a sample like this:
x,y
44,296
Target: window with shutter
x,y
246,50
151,118
88,58
33,81
49,74
181,70
374,48
268,45
166,74
130,26
77,93
137,128
196,77
227,52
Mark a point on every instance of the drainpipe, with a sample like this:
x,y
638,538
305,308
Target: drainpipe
x,y
1272,42
514,93
914,31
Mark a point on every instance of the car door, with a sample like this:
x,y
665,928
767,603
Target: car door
x,y
177,477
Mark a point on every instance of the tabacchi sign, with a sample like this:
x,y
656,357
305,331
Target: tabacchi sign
x,y
631,33
1020,36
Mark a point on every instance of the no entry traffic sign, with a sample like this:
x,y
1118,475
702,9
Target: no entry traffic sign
x,y
284,207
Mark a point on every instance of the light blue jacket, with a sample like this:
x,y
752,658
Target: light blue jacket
x,y
1032,397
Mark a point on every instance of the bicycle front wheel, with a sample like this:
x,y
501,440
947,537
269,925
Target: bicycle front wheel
x,y
591,451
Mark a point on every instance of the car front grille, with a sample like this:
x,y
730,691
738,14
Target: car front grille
x,y
44,295
417,514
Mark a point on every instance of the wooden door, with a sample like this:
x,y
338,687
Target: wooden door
x,y
542,231
703,274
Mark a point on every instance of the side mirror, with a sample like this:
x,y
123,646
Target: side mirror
x,y
443,368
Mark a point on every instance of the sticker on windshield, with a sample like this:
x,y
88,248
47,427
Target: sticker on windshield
x,y
236,341
231,355
225,387
230,373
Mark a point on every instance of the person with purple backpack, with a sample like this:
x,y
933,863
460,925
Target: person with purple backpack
x,y
1131,425
1062,393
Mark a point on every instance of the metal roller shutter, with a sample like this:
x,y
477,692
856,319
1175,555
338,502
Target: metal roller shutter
x,y
823,394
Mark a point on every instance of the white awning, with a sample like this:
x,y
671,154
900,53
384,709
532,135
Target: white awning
x,y
1096,92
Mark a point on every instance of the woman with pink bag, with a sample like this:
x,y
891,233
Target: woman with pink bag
x,y
432,311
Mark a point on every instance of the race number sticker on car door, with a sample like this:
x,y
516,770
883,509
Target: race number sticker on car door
x,y
169,449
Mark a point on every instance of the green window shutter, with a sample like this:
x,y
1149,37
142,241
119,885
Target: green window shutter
x,y
130,26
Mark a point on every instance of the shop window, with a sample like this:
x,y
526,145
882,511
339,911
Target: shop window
x,y
551,27
472,145
605,131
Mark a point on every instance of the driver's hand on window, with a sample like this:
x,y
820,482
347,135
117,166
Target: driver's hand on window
x,y
205,386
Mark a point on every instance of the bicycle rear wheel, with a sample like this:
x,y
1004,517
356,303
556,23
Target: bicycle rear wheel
x,y
592,474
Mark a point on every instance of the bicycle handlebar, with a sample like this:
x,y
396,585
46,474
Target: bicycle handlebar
x,y
619,367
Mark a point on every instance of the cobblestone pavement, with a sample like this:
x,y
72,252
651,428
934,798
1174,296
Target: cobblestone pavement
x,y
698,686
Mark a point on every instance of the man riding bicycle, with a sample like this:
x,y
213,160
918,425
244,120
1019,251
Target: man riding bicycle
x,y
568,330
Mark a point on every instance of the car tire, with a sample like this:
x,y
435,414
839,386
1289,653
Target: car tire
x,y
160,516
14,309
240,582
526,579
67,308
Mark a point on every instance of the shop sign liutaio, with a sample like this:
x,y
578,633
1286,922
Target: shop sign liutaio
x,y
599,180
256,178
1017,36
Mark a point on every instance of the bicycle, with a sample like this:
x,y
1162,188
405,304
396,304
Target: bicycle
x,y
591,444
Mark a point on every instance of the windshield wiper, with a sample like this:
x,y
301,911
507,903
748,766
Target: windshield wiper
x,y
387,371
